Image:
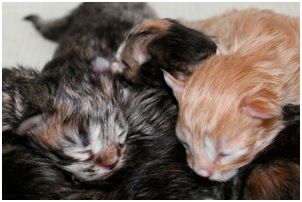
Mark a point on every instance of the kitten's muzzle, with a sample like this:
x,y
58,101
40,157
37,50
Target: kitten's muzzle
x,y
109,158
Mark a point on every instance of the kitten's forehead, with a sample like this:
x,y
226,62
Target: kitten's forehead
x,y
89,104
161,25
88,95
214,126
106,120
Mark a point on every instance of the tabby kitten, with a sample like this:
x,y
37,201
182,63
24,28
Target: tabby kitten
x,y
49,156
93,29
74,115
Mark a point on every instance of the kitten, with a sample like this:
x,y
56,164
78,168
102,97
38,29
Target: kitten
x,y
64,139
73,115
92,150
153,45
231,106
93,29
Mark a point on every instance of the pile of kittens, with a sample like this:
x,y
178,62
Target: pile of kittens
x,y
135,107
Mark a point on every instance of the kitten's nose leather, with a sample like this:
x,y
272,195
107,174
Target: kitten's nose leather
x,y
109,158
109,165
205,172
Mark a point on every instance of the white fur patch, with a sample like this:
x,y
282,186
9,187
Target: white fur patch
x,y
117,67
140,57
222,177
96,172
100,64
233,155
96,142
210,149
119,51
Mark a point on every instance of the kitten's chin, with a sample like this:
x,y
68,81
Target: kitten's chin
x,y
215,176
87,178
88,175
223,177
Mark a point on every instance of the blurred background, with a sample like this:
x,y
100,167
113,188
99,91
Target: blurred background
x,y
21,44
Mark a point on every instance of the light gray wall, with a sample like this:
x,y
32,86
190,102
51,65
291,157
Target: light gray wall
x,y
21,44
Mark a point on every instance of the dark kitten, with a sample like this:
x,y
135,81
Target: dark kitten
x,y
93,29
40,159
75,116
63,102
155,45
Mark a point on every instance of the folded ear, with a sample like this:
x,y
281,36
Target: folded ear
x,y
32,125
262,105
181,46
258,110
177,86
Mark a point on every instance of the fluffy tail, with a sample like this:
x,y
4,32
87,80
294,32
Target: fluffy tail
x,y
52,30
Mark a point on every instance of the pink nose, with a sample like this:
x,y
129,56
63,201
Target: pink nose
x,y
205,172
109,158
107,163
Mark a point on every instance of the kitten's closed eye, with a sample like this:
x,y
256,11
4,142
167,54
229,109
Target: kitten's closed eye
x,y
222,155
145,33
121,146
83,135
122,134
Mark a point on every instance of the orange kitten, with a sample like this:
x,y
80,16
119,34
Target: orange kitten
x,y
230,108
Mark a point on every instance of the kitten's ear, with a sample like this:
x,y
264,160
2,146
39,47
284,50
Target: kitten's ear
x,y
176,85
32,125
263,105
180,46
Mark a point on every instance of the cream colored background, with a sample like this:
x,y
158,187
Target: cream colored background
x,y
23,45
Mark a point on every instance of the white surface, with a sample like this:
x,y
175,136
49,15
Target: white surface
x,y
23,45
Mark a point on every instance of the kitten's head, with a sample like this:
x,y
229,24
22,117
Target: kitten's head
x,y
227,114
79,121
153,45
